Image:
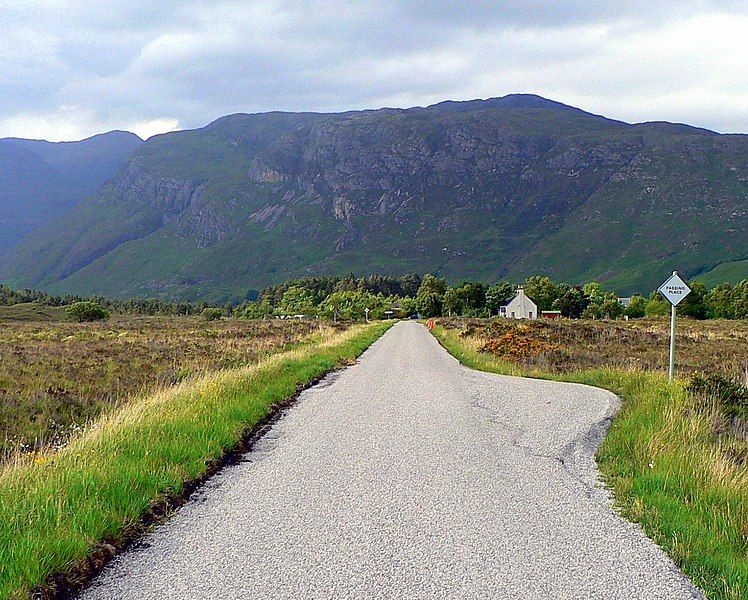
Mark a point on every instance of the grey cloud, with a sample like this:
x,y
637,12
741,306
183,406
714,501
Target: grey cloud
x,y
103,65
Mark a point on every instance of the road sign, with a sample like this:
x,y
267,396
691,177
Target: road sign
x,y
430,324
674,289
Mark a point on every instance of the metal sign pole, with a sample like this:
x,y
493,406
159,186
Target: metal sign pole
x,y
672,342
674,289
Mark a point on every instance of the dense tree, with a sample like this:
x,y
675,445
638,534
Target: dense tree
x,y
498,295
468,298
352,304
453,304
727,302
637,307
429,304
542,290
409,285
212,314
611,308
720,302
255,310
693,305
428,296
740,298
571,301
594,292
657,305
432,284
297,300
408,306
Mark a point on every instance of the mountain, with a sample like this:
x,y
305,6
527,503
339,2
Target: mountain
x,y
484,189
41,180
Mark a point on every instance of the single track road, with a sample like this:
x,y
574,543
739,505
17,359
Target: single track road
x,y
409,476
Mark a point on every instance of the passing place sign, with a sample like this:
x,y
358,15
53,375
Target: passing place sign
x,y
674,289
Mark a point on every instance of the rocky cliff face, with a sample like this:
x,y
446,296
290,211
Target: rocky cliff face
x,y
485,189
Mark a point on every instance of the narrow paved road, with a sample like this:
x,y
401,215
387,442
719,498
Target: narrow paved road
x,y
409,476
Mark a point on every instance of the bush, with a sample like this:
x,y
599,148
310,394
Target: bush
x,y
86,311
255,310
212,314
657,305
731,396
637,308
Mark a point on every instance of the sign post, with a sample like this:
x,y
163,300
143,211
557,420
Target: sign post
x,y
675,290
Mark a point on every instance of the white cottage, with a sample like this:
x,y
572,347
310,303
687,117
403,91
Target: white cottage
x,y
519,307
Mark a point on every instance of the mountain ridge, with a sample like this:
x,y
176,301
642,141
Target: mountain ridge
x,y
491,188
40,180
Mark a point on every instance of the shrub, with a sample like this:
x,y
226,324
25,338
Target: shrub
x,y
212,314
637,308
516,345
86,311
255,310
657,305
731,396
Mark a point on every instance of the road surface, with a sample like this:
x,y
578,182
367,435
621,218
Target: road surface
x,y
409,476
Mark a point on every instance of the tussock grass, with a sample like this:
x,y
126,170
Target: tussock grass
x,y
55,376
564,345
667,469
56,506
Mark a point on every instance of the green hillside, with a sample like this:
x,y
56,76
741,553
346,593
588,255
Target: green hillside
x,y
505,187
729,272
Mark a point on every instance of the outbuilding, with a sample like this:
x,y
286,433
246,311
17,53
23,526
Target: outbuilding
x,y
520,307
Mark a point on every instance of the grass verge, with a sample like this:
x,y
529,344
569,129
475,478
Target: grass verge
x,y
666,470
58,508
57,376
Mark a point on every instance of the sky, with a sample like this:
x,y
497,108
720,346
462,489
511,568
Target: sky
x,y
74,68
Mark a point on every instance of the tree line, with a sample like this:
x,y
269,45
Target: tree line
x,y
135,306
431,296
349,297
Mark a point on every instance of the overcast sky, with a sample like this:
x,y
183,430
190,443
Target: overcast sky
x,y
73,68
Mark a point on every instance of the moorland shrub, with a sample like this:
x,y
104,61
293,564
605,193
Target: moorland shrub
x,y
212,314
86,311
731,396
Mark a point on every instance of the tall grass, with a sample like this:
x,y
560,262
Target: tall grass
x,y
667,469
56,507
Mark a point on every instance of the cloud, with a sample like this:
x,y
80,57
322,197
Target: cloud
x,y
73,68
146,129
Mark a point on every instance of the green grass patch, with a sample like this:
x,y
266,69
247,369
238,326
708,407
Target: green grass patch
x,y
667,469
729,272
56,507
33,312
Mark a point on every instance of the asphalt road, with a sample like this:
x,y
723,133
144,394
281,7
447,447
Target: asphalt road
x,y
409,476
